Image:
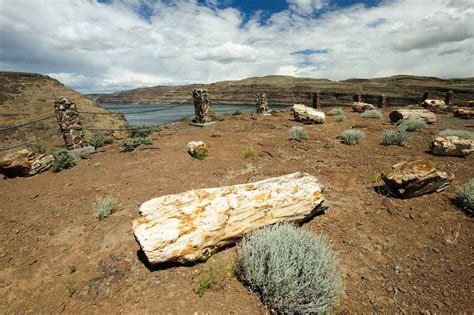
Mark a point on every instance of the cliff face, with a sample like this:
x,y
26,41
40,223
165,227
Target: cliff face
x,y
400,90
27,96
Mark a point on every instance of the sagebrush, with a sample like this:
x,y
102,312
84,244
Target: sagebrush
x,y
465,197
62,160
128,145
142,131
38,148
464,134
105,206
372,113
352,136
336,111
200,153
99,140
298,133
411,124
293,270
394,137
340,118
249,152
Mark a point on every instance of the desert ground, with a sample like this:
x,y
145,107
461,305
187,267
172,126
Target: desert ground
x,y
396,256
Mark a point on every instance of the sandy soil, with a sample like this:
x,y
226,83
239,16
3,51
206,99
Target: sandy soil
x,y
396,255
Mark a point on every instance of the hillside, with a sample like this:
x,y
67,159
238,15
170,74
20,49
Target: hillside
x,y
27,96
400,90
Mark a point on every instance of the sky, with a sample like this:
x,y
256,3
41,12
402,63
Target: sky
x,y
110,45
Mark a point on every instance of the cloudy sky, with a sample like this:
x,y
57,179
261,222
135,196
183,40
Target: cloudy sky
x,y
110,45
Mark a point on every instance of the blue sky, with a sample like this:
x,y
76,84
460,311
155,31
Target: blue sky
x,y
110,45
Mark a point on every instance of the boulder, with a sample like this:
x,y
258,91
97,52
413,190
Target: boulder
x,y
432,104
308,115
464,113
191,225
24,163
415,178
452,146
360,107
197,146
406,113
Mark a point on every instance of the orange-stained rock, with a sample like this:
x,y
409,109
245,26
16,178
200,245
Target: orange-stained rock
x,y
452,146
361,107
464,113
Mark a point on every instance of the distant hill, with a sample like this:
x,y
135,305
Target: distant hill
x,y
28,96
400,90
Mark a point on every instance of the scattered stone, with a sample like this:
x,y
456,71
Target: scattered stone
x,y
308,115
197,149
420,114
24,163
82,152
464,113
190,226
360,107
452,146
415,178
433,104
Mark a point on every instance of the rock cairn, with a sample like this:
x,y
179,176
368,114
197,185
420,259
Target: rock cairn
x,y
382,101
69,123
202,106
261,101
316,100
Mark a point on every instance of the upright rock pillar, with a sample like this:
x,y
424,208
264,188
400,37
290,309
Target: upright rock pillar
x,y
316,100
426,96
382,102
357,98
202,105
448,97
261,102
69,123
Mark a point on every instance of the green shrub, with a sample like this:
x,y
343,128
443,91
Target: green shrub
x,y
340,118
38,148
62,160
394,137
465,197
464,134
213,115
142,131
336,111
105,206
352,136
99,140
249,152
200,153
293,270
146,141
372,113
130,144
411,124
237,112
298,133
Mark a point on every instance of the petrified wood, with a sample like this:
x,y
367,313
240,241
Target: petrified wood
x,y
420,114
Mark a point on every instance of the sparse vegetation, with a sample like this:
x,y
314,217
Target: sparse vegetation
x,y
352,136
104,207
99,140
62,160
200,153
249,152
185,119
336,111
394,137
72,269
128,145
38,148
464,134
465,197
293,270
372,113
329,145
411,124
214,278
340,118
298,133
142,131
237,112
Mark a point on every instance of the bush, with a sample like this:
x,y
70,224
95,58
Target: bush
x,y
293,270
99,140
128,145
200,153
237,112
465,197
352,136
340,118
336,111
38,148
392,137
372,113
62,160
298,133
464,134
105,206
141,131
249,152
411,124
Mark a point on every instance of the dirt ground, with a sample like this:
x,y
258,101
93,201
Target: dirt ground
x,y
397,256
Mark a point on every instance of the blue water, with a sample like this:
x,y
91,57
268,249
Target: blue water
x,y
170,112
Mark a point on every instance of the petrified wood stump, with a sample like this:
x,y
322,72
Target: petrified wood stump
x,y
202,103
448,97
261,102
415,178
191,225
316,100
382,101
421,114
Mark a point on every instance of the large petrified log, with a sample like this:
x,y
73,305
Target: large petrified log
x,y
421,114
464,113
360,107
415,178
432,104
308,115
452,146
191,225
24,163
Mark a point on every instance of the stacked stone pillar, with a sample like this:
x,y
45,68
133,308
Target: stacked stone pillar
x,y
448,97
316,100
202,106
356,97
261,102
382,101
69,123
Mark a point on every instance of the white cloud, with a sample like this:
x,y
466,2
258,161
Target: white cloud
x,y
103,47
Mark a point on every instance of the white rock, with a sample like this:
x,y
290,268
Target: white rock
x,y
308,115
452,146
